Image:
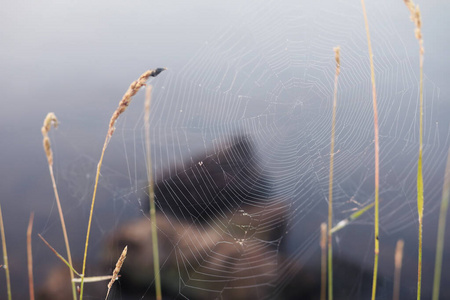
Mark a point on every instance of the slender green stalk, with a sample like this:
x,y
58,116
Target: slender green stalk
x,y
420,199
123,104
330,184
60,256
441,230
416,18
151,194
323,269
419,263
377,155
352,218
5,256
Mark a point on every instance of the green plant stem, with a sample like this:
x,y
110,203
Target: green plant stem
x,y
330,184
377,159
99,166
63,226
419,267
59,256
352,218
151,196
323,261
441,230
123,104
420,200
5,256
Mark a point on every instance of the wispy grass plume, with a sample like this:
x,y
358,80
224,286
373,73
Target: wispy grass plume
x,y
117,269
330,184
377,155
416,18
441,230
49,121
123,104
151,193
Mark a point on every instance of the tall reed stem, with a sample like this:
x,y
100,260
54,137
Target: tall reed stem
x,y
323,261
441,230
151,193
30,257
123,104
416,18
50,120
330,184
5,256
377,155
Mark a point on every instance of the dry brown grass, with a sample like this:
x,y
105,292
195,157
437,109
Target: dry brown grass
x,y
116,271
123,104
30,256
49,121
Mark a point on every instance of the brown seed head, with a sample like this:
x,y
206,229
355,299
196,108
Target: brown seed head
x,y
337,51
417,20
49,120
126,99
118,267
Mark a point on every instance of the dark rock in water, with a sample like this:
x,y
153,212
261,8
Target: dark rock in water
x,y
214,186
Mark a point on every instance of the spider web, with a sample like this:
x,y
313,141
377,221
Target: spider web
x,y
240,152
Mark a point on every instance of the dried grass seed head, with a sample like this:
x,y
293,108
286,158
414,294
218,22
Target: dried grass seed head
x,y
337,51
49,121
126,99
417,20
118,267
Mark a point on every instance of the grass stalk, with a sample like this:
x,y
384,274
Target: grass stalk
x,y
441,230
50,120
30,257
123,104
416,18
5,256
59,256
330,184
377,155
117,269
323,264
94,278
398,269
151,194
353,217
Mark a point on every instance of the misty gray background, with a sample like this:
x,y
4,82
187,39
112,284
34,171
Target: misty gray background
x,y
77,59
